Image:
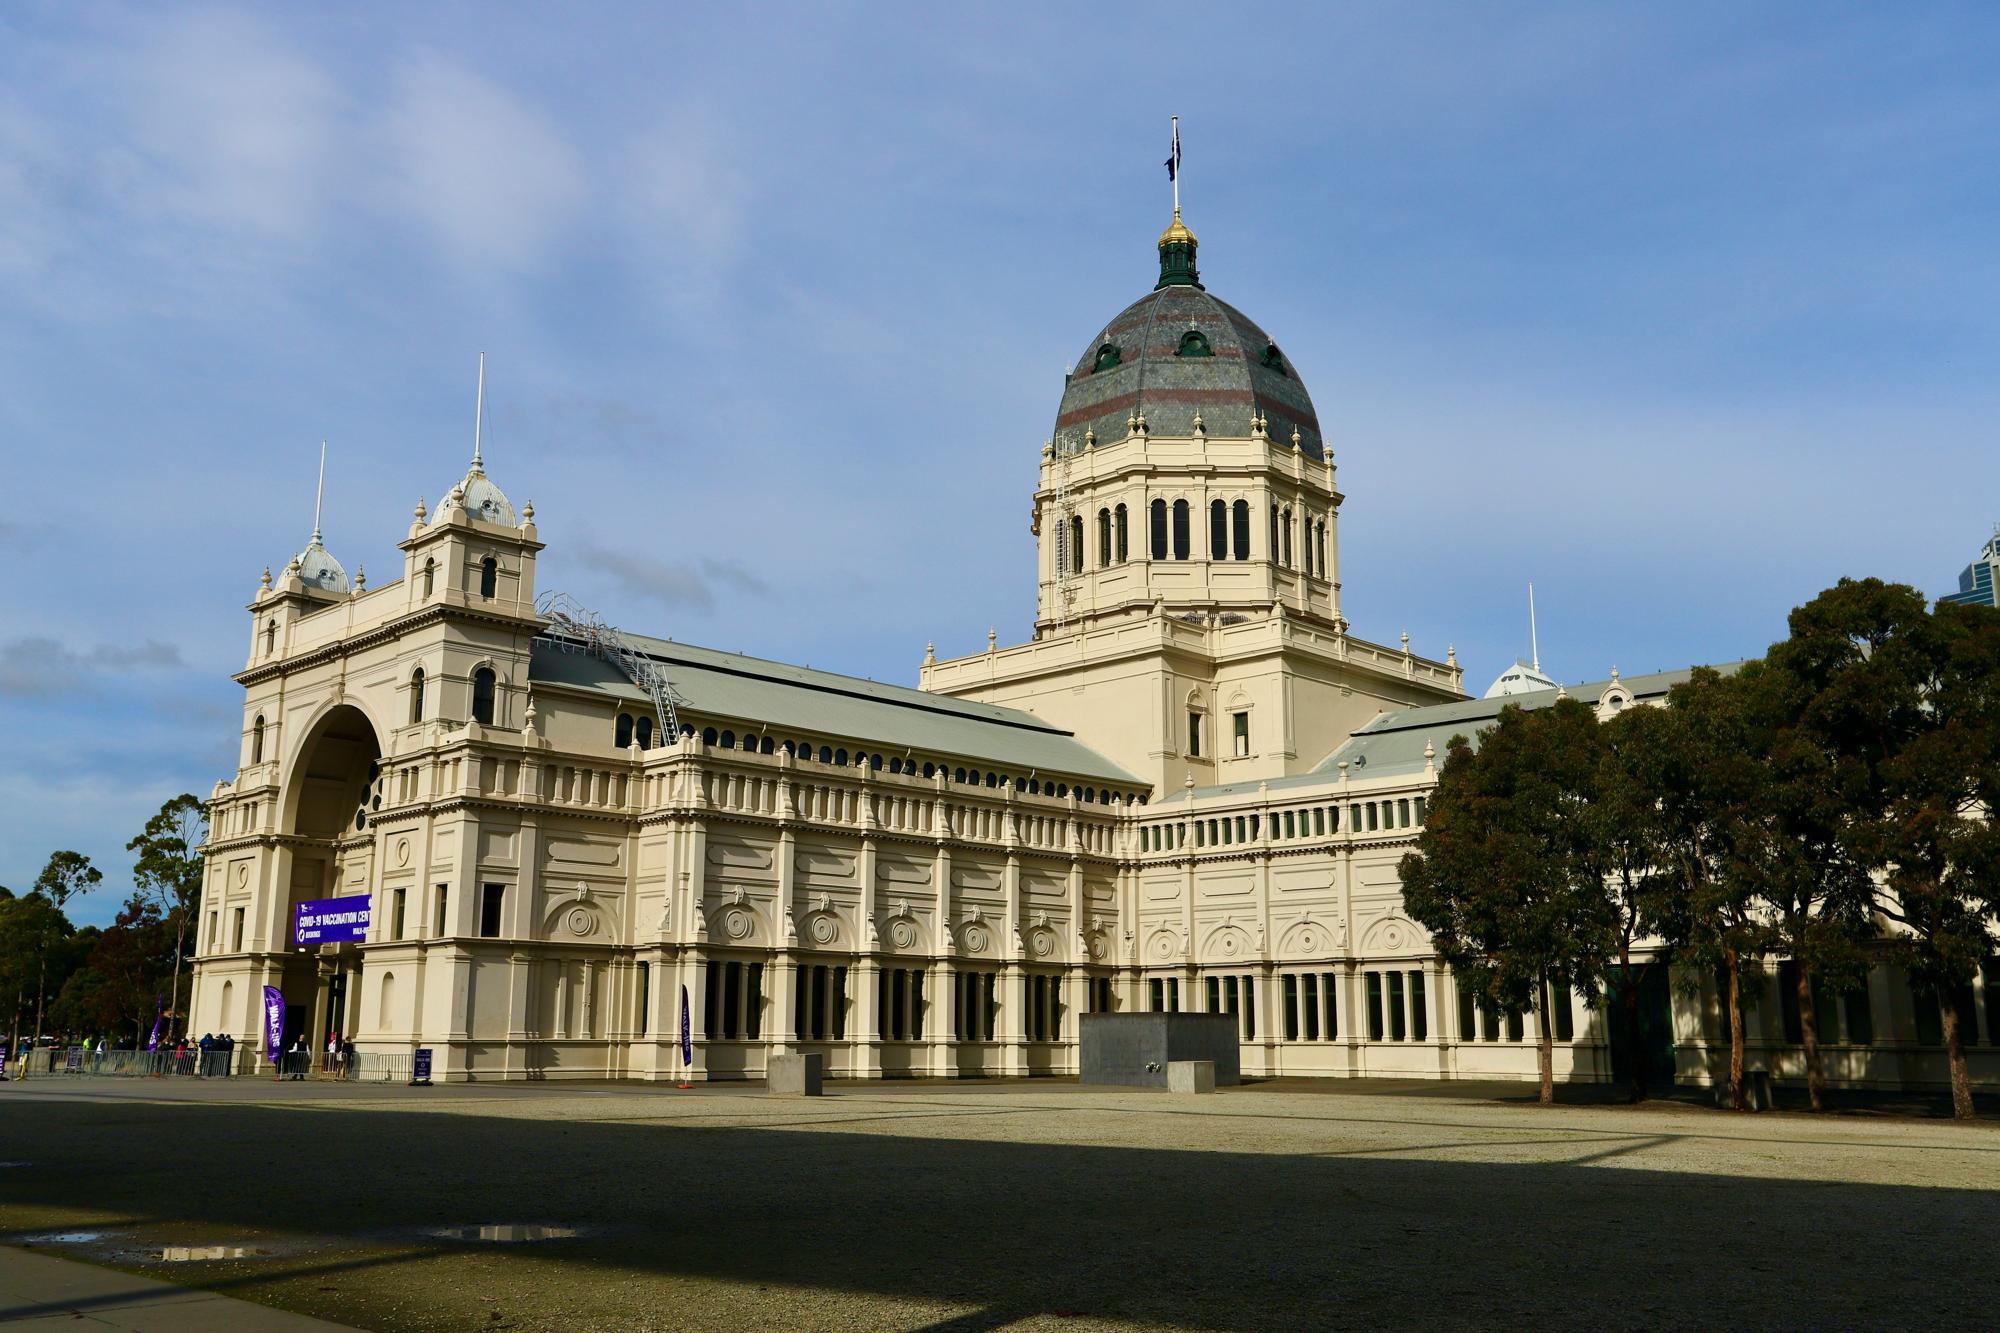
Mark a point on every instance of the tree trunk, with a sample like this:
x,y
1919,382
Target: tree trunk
x,y
1954,1050
1628,997
41,989
176,1017
1809,1033
1545,1048
1737,1100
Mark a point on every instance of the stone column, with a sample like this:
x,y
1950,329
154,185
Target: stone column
x,y
864,1032
940,988
1009,1029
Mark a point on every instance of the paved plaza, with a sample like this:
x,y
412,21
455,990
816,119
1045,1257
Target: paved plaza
x,y
982,1206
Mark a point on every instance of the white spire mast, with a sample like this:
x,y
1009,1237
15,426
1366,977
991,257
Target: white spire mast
x,y
1175,174
479,414
1534,643
319,492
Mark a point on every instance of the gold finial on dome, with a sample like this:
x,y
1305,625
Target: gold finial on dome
x,y
1177,232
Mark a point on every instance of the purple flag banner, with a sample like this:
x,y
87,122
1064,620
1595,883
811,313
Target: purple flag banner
x,y
274,1022
331,920
687,1033
159,1012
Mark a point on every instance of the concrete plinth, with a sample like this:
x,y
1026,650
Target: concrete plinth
x,y
794,1075
1135,1049
1191,1076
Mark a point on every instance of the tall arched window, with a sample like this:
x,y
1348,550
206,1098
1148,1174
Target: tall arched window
x,y
1076,543
417,695
1103,537
1240,517
257,740
270,637
1218,530
489,576
644,731
1159,534
1322,548
1274,534
483,682
1181,538
1288,537
1118,520
430,575
621,732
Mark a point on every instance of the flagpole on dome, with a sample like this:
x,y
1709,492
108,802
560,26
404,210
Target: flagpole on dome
x,y
1174,166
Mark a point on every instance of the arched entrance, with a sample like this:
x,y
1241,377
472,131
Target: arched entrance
x,y
332,791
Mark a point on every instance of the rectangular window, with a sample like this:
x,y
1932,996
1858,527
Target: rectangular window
x,y
1374,980
1326,981
1861,1019
1215,995
442,895
1468,1023
1402,814
1420,810
396,914
1419,1015
1319,821
1788,1002
1241,721
837,1002
711,1003
1309,991
1398,1030
1158,987
1354,819
493,898
916,1004
1515,1029
821,1004
1194,734
1565,1015
1291,1007
645,998
1249,1011
1291,827
236,931
732,1000
753,1001
1173,995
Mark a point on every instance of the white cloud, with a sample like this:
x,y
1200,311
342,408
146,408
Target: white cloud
x,y
490,176
238,125
689,196
42,667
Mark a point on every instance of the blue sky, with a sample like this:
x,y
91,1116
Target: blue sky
x,y
1681,312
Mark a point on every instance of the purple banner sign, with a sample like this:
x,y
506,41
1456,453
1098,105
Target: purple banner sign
x,y
331,921
274,1022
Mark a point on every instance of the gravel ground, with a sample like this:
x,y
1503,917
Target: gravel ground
x,y
1022,1205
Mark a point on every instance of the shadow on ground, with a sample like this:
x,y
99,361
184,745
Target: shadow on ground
x,y
822,1227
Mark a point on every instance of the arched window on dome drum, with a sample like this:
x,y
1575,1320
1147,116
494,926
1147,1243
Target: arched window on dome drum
x,y
1159,534
1076,543
1103,537
430,575
1193,343
417,695
489,576
1181,539
644,733
766,746
1118,520
257,740
826,754
1107,358
621,734
708,735
1240,514
1218,530
483,683
1288,538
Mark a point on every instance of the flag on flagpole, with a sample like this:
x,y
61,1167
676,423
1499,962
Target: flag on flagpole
x,y
687,1033
159,1012
1174,157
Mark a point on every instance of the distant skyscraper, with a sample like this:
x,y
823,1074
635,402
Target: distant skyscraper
x,y
1979,582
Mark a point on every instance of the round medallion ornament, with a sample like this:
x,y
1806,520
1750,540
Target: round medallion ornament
x,y
1097,947
1043,943
242,873
823,929
1163,945
1308,943
902,933
1393,936
579,921
402,851
975,940
737,923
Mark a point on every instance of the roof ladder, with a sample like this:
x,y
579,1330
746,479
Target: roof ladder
x,y
586,631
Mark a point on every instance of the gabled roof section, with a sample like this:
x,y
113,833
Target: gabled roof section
x,y
793,702
1393,744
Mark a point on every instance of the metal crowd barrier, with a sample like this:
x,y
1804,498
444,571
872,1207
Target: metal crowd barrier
x,y
365,1067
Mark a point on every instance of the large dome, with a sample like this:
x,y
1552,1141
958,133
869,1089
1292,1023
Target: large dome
x,y
1176,351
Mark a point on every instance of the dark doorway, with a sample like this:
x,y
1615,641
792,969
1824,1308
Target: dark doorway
x,y
1656,1029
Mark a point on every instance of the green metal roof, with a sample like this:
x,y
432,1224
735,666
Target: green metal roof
x,y
792,702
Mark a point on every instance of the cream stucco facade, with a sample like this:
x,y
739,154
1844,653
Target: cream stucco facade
x,y
1189,789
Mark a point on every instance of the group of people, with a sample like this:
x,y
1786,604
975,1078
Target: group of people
x,y
340,1058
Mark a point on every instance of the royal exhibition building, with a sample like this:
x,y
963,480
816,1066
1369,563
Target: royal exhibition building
x,y
475,818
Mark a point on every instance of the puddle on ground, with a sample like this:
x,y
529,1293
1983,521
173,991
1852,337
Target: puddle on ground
x,y
66,1238
188,1254
506,1233
5,1165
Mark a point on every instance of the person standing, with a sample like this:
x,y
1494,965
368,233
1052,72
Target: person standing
x,y
346,1059
301,1057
